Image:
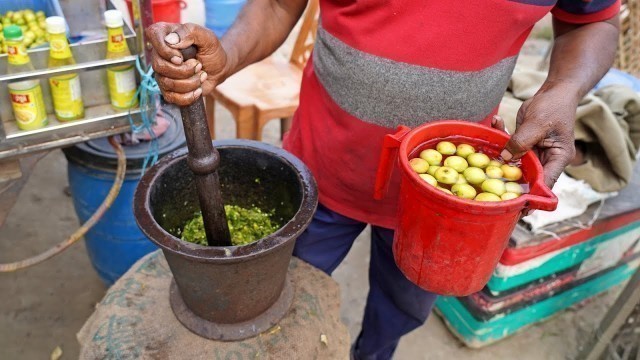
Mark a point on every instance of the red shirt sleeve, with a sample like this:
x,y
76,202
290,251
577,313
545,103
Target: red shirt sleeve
x,y
585,11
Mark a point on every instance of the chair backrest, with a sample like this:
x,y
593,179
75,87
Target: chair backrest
x,y
628,58
307,35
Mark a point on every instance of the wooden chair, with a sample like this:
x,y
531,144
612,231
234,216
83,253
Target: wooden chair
x,y
266,90
628,57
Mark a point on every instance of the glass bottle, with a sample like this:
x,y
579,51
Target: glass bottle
x,y
26,96
121,78
65,89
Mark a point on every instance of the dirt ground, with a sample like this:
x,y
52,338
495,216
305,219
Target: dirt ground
x,y
43,307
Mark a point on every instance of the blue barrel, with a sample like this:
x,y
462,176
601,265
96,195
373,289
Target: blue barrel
x,y
115,242
220,14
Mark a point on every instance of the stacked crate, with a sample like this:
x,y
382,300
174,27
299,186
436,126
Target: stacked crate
x,y
538,276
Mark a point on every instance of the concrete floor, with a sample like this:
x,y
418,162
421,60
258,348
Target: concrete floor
x,y
43,307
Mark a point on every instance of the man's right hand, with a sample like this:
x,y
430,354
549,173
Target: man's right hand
x,y
183,82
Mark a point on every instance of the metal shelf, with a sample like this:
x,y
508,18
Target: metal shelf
x,y
63,70
100,119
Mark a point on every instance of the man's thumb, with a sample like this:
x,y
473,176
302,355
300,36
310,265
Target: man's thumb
x,y
523,140
188,34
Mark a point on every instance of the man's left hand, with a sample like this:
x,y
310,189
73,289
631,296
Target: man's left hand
x,y
545,125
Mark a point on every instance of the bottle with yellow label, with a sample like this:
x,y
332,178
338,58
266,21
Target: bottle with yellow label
x,y
121,78
26,96
65,89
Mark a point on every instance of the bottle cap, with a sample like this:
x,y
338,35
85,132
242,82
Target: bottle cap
x,y
12,32
113,18
56,25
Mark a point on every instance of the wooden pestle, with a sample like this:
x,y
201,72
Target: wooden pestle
x,y
203,159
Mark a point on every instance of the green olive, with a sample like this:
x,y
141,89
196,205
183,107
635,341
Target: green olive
x,y
29,16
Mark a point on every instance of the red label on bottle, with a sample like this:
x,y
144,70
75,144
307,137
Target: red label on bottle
x,y
117,38
20,98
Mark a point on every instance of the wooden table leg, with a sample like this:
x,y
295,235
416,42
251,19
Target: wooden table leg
x,y
285,125
246,123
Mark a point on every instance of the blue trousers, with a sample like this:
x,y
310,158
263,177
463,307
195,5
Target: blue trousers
x,y
395,306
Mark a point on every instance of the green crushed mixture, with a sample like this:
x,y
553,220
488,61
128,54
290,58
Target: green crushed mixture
x,y
246,225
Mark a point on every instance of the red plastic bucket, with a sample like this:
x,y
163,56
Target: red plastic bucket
x,y
163,10
445,244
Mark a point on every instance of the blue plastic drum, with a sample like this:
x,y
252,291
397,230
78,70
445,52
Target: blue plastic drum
x,y
220,14
115,242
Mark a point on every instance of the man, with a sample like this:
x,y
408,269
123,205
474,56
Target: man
x,y
381,63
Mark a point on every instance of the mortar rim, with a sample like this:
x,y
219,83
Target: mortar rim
x,y
226,254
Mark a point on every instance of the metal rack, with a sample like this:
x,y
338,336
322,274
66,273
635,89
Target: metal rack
x,y
100,119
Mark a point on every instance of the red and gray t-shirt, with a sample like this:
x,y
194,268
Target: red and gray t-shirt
x,y
378,64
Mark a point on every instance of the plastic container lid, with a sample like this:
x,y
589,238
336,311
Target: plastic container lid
x,y
12,32
56,25
113,18
98,153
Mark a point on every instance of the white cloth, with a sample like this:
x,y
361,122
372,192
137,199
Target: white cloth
x,y
574,196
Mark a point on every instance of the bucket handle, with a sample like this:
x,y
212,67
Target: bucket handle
x,y
388,156
541,197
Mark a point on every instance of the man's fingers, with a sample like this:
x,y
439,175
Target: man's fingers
x,y
524,139
190,34
553,168
168,39
181,85
165,68
182,99
207,88
184,35
156,34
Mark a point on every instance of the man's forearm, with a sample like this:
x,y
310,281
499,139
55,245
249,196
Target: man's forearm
x,y
581,55
261,27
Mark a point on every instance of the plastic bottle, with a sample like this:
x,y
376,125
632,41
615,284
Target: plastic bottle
x,y
65,89
121,78
26,96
